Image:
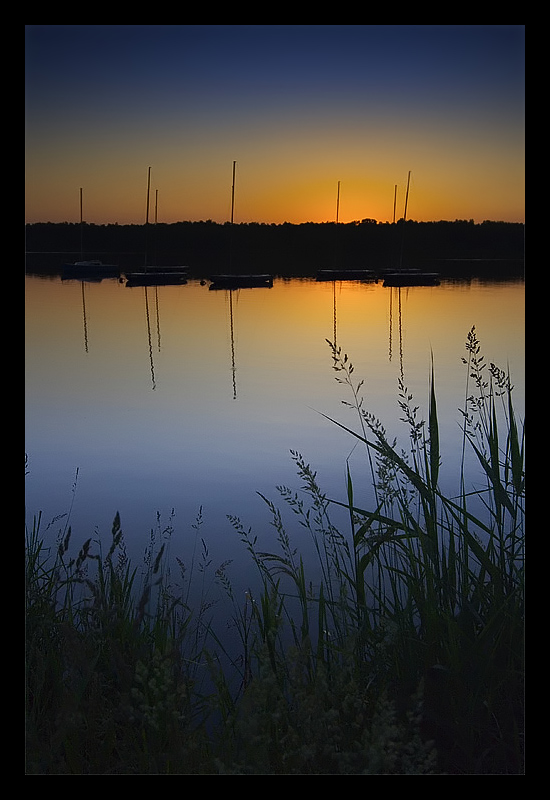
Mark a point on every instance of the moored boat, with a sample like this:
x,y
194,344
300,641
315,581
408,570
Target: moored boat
x,y
345,275
92,267
92,270
240,281
408,276
156,277
411,278
90,264
153,274
230,280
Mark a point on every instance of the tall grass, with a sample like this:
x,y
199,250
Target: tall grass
x,y
449,580
399,651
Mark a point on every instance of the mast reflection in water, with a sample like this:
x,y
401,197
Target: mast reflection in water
x,y
197,440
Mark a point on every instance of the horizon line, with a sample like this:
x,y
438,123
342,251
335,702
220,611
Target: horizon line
x,y
365,220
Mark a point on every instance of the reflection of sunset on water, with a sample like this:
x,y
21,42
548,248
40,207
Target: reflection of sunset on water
x,y
196,397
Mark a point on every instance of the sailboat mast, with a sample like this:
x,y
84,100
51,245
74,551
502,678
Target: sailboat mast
x,y
147,213
233,193
81,247
338,203
407,197
404,220
232,214
394,201
148,192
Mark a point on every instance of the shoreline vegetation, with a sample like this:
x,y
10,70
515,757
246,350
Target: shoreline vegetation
x,y
452,248
404,654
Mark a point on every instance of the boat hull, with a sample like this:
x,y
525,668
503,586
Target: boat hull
x,y
240,281
89,269
345,275
411,279
156,278
89,265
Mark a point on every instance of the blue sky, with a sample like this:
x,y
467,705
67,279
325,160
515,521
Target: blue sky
x,y
298,107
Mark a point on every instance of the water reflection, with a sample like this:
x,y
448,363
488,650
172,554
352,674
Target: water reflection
x,y
83,282
149,338
150,418
151,299
84,317
233,367
394,294
399,327
232,287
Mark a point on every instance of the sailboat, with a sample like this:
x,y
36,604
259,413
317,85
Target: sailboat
x,y
155,275
344,274
92,268
235,281
409,277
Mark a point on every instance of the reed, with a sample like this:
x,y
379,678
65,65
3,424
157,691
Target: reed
x,y
398,651
454,577
423,596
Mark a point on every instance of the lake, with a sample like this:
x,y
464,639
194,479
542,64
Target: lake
x,y
171,399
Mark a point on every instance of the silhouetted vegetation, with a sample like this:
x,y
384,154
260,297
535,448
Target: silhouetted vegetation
x,y
287,249
403,655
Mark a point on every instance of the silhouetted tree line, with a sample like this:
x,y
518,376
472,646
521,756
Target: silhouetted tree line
x,y
282,249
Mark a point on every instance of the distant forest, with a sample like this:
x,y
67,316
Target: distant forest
x,y
285,249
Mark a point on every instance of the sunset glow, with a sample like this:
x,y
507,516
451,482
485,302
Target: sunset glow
x,y
298,107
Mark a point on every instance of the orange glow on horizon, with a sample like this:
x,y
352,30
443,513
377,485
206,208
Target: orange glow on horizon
x,y
276,182
270,193
309,202
299,108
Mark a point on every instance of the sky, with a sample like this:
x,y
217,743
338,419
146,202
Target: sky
x,y
301,109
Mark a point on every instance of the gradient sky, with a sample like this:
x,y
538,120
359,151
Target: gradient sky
x,y
299,107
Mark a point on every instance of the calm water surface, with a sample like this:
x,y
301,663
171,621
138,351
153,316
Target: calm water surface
x,y
174,398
